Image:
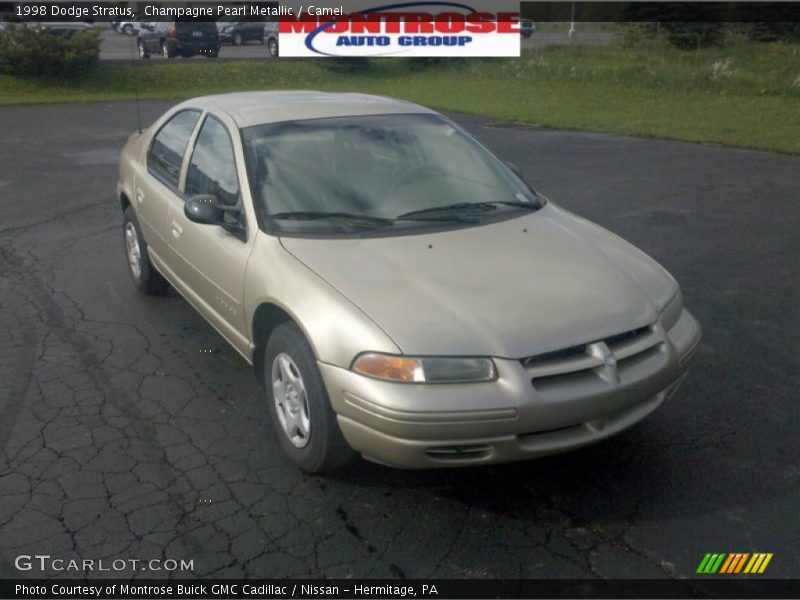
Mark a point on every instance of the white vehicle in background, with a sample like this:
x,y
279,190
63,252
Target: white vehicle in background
x,y
271,37
131,26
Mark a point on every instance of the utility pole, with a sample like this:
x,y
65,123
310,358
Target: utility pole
x,y
572,23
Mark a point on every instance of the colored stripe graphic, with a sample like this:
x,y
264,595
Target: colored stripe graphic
x,y
729,562
711,563
741,562
767,558
733,563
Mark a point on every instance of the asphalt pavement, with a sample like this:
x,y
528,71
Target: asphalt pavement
x,y
122,436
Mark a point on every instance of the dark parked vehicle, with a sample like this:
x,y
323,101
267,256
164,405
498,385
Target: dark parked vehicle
x,y
179,38
526,28
240,32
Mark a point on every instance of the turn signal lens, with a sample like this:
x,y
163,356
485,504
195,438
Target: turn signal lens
x,y
425,369
393,368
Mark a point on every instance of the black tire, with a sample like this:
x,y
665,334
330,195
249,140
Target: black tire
x,y
272,47
143,53
326,449
148,281
238,40
165,51
212,54
128,30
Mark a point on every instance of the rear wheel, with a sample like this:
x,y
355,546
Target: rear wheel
x,y
298,403
165,51
143,275
212,53
238,40
128,29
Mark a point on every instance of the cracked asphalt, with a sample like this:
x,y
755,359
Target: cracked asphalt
x,y
123,436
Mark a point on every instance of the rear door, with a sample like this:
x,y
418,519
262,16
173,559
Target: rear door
x,y
156,186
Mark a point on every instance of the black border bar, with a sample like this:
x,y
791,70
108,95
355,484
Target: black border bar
x,y
678,12
713,586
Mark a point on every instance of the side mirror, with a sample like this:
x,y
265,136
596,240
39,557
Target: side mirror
x,y
204,209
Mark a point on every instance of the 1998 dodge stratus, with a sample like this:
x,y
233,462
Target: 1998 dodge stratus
x,y
401,292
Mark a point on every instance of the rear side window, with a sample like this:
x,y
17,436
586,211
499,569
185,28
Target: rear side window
x,y
169,145
212,169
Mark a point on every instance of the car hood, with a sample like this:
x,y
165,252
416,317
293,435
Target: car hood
x,y
514,288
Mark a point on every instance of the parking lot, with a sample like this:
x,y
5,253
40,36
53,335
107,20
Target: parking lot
x,y
117,46
122,436
123,47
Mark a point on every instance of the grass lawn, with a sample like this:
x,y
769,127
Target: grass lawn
x,y
745,95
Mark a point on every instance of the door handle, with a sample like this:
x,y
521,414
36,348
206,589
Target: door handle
x,y
140,196
177,230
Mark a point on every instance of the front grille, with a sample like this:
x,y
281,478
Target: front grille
x,y
605,359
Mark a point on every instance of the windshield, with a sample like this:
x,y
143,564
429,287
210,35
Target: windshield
x,y
354,173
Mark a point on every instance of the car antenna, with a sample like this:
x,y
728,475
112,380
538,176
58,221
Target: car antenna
x,y
136,95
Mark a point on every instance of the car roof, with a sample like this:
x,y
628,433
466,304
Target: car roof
x,y
258,108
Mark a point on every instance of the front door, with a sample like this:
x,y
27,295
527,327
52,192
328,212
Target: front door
x,y
210,260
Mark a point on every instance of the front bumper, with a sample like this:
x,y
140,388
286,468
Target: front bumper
x,y
419,426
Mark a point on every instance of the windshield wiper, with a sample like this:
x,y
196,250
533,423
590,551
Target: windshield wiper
x,y
310,215
357,219
468,207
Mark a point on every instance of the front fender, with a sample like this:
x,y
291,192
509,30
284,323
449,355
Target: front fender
x,y
336,328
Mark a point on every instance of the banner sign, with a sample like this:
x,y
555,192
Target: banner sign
x,y
432,28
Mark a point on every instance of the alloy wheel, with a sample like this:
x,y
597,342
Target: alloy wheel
x,y
291,401
133,250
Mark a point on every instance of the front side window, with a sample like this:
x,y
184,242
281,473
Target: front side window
x,y
382,169
212,169
169,145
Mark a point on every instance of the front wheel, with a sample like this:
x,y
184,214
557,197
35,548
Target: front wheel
x,y
128,30
142,50
143,275
166,53
298,403
238,40
272,47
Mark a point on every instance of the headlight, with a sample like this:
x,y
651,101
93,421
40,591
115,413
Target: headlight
x,y
672,311
407,369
